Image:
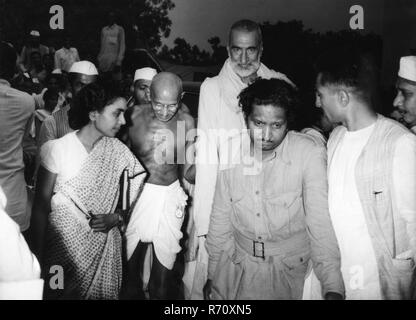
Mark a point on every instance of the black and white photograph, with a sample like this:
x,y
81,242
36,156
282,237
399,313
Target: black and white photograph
x,y
220,151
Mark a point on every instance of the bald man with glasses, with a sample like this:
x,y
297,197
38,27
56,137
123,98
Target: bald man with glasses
x,y
157,132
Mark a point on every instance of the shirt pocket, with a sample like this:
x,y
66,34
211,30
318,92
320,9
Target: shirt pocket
x,y
239,208
381,202
404,265
404,262
282,210
297,263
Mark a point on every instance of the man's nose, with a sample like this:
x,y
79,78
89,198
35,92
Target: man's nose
x,y
267,134
147,94
165,111
243,57
398,101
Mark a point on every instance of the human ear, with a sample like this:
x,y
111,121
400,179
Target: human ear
x,y
93,115
343,98
260,51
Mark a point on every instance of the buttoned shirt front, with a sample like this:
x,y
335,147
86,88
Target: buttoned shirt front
x,y
284,197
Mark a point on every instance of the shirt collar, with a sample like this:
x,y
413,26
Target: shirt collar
x,y
271,157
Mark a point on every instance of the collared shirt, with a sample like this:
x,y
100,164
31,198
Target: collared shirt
x,y
65,58
16,112
286,196
55,126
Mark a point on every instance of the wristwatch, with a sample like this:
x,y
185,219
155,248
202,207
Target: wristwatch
x,y
120,223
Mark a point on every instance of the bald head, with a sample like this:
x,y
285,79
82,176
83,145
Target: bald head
x,y
166,86
165,95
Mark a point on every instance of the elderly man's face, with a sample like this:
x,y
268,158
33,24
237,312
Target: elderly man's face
x,y
245,52
405,101
142,91
165,105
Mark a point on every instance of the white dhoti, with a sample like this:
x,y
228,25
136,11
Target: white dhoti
x,y
157,218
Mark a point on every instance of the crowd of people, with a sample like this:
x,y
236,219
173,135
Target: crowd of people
x,y
133,198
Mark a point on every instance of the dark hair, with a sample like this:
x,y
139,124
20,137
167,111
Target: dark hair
x,y
8,57
350,67
246,25
49,94
93,97
274,92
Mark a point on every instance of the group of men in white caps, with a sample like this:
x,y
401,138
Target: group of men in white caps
x,y
271,213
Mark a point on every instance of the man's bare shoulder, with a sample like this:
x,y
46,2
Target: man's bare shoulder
x,y
187,117
184,108
140,111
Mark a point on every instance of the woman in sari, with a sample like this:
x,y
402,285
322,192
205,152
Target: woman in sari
x,y
74,219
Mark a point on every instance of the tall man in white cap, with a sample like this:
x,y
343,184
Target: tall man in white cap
x,y
56,126
219,109
371,179
405,99
142,80
34,46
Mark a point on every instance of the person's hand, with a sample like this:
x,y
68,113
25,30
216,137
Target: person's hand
x,y
207,290
104,222
333,296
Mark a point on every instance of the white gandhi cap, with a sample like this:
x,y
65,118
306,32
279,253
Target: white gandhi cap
x,y
84,67
144,74
408,68
35,33
57,71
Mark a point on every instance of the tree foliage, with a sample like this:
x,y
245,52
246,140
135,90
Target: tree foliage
x,y
84,20
187,54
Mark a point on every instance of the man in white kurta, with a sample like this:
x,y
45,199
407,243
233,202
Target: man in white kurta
x,y
113,46
369,262
66,56
219,118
